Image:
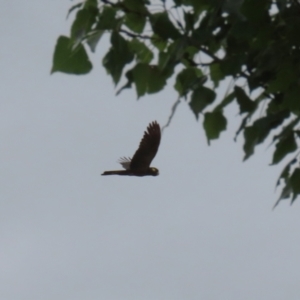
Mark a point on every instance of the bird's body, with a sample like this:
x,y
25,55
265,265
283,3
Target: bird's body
x,y
139,165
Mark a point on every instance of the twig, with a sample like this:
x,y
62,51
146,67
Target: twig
x,y
173,110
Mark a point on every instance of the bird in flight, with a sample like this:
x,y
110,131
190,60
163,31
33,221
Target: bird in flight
x,y
139,165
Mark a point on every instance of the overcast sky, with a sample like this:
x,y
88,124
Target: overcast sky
x,y
203,229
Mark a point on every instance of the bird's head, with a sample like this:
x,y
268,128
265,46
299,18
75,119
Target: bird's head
x,y
153,172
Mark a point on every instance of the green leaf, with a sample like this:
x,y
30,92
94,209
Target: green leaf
x,y
74,7
128,84
90,3
243,31
260,129
252,138
292,99
245,103
214,123
255,10
147,79
284,146
135,22
284,77
232,65
187,79
286,192
169,59
286,171
156,80
140,76
295,179
201,98
276,104
191,51
202,35
163,27
107,19
85,18
233,7
93,39
287,129
117,57
189,19
241,127
166,64
188,56
176,50
158,42
70,61
216,74
136,6
143,53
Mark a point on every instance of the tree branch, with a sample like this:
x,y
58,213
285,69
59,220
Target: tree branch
x,y
134,35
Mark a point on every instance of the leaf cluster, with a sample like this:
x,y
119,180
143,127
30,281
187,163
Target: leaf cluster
x,y
256,43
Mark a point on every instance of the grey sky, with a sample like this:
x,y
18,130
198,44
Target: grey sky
x,y
203,229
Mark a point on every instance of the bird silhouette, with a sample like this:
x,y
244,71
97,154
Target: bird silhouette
x,y
139,165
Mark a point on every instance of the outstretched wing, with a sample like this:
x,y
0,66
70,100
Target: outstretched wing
x,y
147,150
125,162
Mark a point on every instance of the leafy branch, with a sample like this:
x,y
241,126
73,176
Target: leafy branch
x,y
208,41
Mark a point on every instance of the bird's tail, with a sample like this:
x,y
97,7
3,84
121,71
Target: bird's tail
x,y
120,172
